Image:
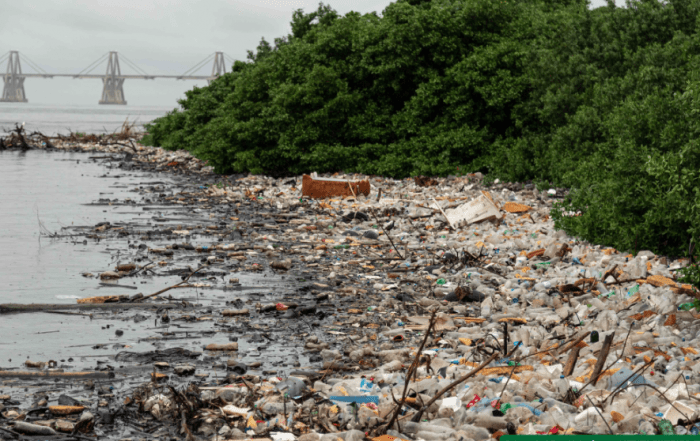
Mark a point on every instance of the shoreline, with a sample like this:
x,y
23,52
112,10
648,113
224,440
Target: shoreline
x,y
345,298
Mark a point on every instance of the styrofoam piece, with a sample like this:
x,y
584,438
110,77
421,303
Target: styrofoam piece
x,y
673,414
453,403
230,409
282,436
477,210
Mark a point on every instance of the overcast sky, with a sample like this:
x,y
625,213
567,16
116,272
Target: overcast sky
x,y
165,37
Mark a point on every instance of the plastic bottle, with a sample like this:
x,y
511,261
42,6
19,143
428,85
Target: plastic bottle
x,y
486,307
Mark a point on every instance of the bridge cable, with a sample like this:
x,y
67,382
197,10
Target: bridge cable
x,y
99,60
134,66
230,60
198,65
4,57
33,65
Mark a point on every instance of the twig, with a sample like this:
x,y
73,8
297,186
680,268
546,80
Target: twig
x,y
413,366
661,393
634,374
443,213
512,371
379,223
573,343
11,431
601,415
174,286
454,384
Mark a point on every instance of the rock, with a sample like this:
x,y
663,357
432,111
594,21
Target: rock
x,y
281,264
371,234
310,437
33,429
184,370
64,426
109,275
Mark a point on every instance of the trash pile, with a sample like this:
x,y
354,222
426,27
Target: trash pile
x,y
442,309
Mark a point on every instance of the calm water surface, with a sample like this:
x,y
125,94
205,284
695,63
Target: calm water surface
x,y
53,188
53,119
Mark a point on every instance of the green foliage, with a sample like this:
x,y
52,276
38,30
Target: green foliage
x,y
603,101
691,275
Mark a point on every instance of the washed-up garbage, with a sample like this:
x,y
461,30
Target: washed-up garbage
x,y
315,187
450,309
478,210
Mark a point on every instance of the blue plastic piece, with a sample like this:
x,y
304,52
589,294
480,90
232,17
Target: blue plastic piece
x,y
366,386
619,377
536,412
356,399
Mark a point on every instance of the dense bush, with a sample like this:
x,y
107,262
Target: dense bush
x,y
603,101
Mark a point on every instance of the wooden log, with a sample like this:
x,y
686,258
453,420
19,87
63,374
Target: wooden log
x,y
49,374
571,361
39,307
605,350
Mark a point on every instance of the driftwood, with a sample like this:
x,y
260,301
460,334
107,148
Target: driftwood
x,y
571,361
598,369
49,374
184,281
40,307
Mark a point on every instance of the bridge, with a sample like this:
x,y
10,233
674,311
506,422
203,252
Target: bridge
x,y
112,79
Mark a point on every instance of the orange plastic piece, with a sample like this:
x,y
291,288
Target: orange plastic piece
x,y
99,299
512,207
535,253
320,188
671,320
660,281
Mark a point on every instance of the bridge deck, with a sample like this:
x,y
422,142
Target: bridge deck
x,y
138,77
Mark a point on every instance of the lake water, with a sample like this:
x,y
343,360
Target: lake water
x,y
42,190
54,119
52,188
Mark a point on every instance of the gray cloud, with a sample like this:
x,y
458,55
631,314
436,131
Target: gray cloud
x,y
160,36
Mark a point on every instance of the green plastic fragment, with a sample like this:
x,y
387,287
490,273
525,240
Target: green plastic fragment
x,y
686,306
505,407
441,281
666,428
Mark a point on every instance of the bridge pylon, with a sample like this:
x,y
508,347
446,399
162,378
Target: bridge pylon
x,y
113,87
219,67
13,92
